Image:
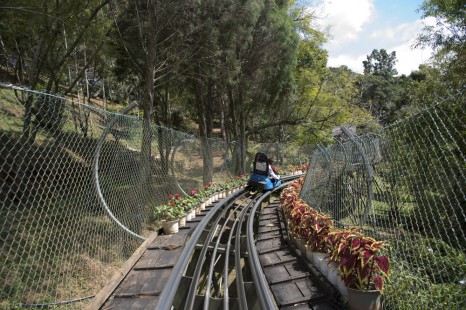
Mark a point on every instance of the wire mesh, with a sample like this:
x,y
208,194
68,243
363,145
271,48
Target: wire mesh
x,y
404,184
283,154
411,195
57,242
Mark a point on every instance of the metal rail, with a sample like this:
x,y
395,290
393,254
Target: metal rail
x,y
217,238
168,295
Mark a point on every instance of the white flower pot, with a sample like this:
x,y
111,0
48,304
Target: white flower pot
x,y
342,288
364,299
333,274
182,222
203,205
170,227
309,253
323,265
317,259
301,244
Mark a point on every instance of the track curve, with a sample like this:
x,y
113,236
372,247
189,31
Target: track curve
x,y
221,267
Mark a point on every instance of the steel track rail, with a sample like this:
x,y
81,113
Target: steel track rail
x,y
197,273
167,297
214,254
264,295
219,220
239,274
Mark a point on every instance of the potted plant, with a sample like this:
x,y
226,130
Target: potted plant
x,y
362,269
170,213
202,197
318,226
298,218
334,238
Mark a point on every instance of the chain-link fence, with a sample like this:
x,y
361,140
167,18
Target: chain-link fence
x,y
406,185
75,198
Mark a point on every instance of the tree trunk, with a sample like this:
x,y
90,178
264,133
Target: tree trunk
x,y
205,129
148,107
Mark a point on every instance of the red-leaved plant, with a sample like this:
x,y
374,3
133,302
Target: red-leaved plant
x,y
359,264
317,227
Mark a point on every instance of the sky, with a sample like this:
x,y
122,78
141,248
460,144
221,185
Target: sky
x,y
359,26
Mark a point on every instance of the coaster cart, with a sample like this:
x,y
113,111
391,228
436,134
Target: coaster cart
x,y
259,178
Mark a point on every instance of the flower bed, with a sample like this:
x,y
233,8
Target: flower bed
x,y
357,256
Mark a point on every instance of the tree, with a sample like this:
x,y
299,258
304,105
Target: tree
x,y
380,63
43,39
447,37
379,90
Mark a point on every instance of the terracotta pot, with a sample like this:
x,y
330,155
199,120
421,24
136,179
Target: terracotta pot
x,y
364,299
170,227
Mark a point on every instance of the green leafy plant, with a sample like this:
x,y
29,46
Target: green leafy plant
x,y
359,263
173,209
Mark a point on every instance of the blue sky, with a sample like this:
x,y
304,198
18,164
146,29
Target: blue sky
x,y
359,26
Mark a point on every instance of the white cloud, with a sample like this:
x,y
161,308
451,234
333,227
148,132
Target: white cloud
x,y
399,38
352,62
346,18
409,58
402,32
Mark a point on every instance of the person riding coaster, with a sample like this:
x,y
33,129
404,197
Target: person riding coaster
x,y
263,175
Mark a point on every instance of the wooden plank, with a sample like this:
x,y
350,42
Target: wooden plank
x,y
269,223
119,275
140,281
158,259
302,306
148,302
266,245
299,291
273,250
265,217
268,211
276,257
268,229
168,242
285,272
269,235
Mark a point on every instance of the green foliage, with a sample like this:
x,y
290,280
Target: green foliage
x,y
41,38
446,37
380,63
49,112
408,289
328,105
434,258
169,212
